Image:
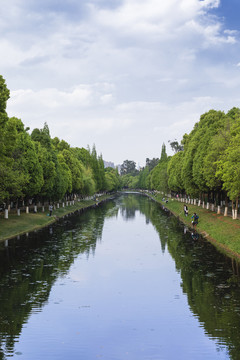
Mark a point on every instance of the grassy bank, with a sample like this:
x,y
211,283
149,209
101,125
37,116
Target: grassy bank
x,y
222,231
16,225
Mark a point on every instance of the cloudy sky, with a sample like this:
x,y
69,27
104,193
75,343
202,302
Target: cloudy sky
x,y
126,75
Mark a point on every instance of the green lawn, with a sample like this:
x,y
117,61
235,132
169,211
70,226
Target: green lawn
x,y
221,230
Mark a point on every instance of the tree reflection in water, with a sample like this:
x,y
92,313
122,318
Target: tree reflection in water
x,y
31,265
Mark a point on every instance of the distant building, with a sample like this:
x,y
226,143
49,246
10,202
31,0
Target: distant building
x,y
109,164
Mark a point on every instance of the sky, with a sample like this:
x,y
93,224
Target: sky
x,y
125,75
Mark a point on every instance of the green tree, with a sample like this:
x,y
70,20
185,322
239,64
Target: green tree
x,y
158,177
76,168
228,166
151,163
174,170
112,179
128,167
14,175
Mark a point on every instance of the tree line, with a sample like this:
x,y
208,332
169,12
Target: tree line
x,y
205,165
35,166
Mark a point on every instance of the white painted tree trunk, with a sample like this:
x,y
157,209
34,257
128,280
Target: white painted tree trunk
x,y
35,208
58,205
43,208
219,210
6,214
235,214
207,206
213,207
199,202
27,209
18,212
63,204
203,205
225,211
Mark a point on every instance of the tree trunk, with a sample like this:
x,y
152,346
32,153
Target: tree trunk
x,y
236,210
233,212
6,214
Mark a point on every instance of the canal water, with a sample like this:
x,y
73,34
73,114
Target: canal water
x,y
124,280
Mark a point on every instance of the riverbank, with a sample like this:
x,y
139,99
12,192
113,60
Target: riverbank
x,y
17,225
222,231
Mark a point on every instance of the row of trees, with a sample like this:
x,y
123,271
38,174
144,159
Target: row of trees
x,y
205,164
209,163
35,166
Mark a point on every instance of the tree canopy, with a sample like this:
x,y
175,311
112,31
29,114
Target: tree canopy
x,y
41,168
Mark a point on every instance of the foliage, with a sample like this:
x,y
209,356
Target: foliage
x,y
112,177
38,167
175,181
229,165
175,146
158,177
128,168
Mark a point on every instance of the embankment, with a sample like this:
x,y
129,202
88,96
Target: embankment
x,y
17,225
222,231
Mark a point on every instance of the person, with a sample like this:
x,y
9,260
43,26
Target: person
x,y
194,235
50,210
185,210
195,218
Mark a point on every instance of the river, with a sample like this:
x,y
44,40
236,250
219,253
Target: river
x,y
124,280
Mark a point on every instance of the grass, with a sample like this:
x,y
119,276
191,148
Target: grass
x,y
222,231
16,225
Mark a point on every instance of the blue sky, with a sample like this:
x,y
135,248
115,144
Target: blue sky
x,y
126,75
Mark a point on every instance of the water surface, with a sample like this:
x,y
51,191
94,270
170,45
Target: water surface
x,y
120,281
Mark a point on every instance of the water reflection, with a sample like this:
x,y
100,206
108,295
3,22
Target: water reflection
x,y
209,279
32,264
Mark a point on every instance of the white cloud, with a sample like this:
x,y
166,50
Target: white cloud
x,y
135,72
162,20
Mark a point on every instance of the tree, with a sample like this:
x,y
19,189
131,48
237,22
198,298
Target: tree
x,y
209,125
151,163
42,136
14,175
49,172
143,176
228,166
158,177
163,153
174,168
76,168
128,167
63,178
176,147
